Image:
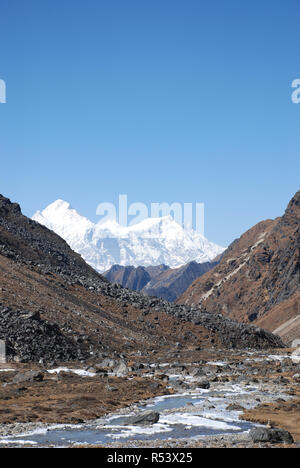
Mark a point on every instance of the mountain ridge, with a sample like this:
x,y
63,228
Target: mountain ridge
x,y
258,275
151,242
160,281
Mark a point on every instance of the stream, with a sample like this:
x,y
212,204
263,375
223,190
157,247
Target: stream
x,y
188,414
182,416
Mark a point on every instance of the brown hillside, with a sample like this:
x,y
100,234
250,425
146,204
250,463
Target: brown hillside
x,y
257,279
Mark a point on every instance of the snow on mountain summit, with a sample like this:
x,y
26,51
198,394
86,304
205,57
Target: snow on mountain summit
x,y
153,241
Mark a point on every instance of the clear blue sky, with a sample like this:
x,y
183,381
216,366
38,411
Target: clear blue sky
x,y
163,100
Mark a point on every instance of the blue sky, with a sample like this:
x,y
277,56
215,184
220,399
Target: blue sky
x,y
163,100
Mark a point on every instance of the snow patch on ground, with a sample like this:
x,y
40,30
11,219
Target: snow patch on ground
x,y
190,420
80,372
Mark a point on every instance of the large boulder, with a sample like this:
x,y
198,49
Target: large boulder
x,y
121,369
203,383
145,418
272,435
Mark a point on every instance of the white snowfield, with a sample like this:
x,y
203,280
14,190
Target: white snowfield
x,y
153,241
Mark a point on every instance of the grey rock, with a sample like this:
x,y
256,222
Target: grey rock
x,y
203,383
273,435
30,376
146,418
107,363
198,372
121,369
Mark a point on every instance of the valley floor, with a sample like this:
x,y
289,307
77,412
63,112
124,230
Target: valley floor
x,y
226,388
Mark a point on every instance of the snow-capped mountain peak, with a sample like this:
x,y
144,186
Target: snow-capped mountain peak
x,y
153,241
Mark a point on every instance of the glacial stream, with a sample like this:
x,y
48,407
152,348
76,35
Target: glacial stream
x,y
182,416
190,413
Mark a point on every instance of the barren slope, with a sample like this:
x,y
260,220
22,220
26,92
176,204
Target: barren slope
x,y
257,279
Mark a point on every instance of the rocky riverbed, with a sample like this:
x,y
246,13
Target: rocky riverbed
x,y
202,399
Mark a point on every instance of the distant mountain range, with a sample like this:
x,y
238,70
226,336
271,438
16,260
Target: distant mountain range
x,y
152,242
160,281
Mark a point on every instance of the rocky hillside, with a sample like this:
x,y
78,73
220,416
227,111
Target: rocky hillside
x,y
172,283
30,243
29,338
257,279
159,281
40,274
